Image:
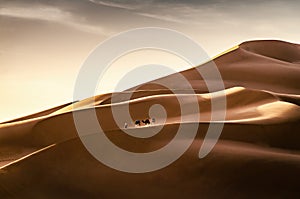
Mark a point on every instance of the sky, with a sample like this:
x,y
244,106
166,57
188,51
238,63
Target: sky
x,y
44,43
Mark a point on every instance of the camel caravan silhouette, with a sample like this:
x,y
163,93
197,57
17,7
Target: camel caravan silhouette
x,y
137,123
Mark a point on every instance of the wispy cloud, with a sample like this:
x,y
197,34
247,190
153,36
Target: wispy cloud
x,y
51,14
151,9
132,5
42,13
176,12
161,17
194,12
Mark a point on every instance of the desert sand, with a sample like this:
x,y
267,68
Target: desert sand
x,y
257,155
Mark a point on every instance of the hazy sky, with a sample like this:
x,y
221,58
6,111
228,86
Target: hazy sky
x,y
43,43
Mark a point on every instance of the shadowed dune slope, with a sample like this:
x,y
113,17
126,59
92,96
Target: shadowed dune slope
x,y
257,155
279,50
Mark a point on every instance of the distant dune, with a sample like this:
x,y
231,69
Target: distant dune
x,y
257,156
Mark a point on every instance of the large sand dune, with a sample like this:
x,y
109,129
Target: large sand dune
x,y
258,154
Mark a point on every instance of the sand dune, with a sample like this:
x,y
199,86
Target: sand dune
x,y
246,66
257,154
278,50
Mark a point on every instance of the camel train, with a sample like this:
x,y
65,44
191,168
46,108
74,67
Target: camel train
x,y
139,122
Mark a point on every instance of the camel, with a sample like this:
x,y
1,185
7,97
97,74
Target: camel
x,y
137,122
146,121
